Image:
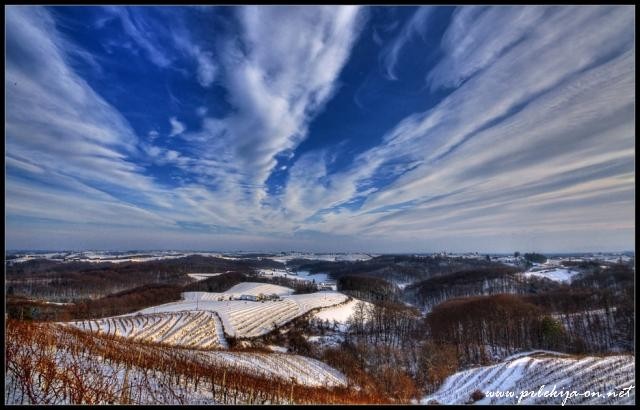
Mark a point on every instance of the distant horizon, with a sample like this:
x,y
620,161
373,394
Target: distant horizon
x,y
316,252
386,128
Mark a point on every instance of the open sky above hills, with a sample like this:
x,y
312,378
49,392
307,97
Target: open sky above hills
x,y
385,129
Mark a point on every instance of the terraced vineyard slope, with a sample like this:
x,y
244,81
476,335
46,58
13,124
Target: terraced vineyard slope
x,y
247,318
523,375
198,329
55,364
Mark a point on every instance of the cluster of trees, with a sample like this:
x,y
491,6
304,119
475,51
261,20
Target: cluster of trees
x,y
598,308
386,349
367,288
298,286
111,305
22,308
619,278
468,282
223,282
381,369
387,323
218,283
436,362
569,318
596,320
401,268
126,301
582,264
534,257
379,353
39,265
502,324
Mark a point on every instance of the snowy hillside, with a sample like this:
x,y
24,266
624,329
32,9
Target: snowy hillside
x,y
340,313
246,318
185,329
310,301
519,374
49,364
304,370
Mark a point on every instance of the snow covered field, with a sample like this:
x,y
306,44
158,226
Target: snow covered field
x,y
185,329
235,292
202,276
318,277
256,288
245,318
528,372
340,313
304,370
553,273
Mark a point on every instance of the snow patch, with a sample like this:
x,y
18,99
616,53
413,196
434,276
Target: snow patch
x,y
556,274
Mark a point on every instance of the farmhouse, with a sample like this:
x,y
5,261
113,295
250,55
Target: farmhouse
x,y
249,297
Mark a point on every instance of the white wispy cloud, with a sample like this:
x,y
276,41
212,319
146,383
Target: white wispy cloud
x,y
177,127
207,69
288,73
472,43
483,168
141,31
59,130
416,25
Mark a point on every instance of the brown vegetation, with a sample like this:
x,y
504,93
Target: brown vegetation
x,y
36,376
504,321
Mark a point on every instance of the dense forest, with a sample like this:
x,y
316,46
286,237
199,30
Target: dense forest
x,y
67,282
368,288
467,282
394,268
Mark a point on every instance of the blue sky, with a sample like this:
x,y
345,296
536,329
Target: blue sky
x,y
383,129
